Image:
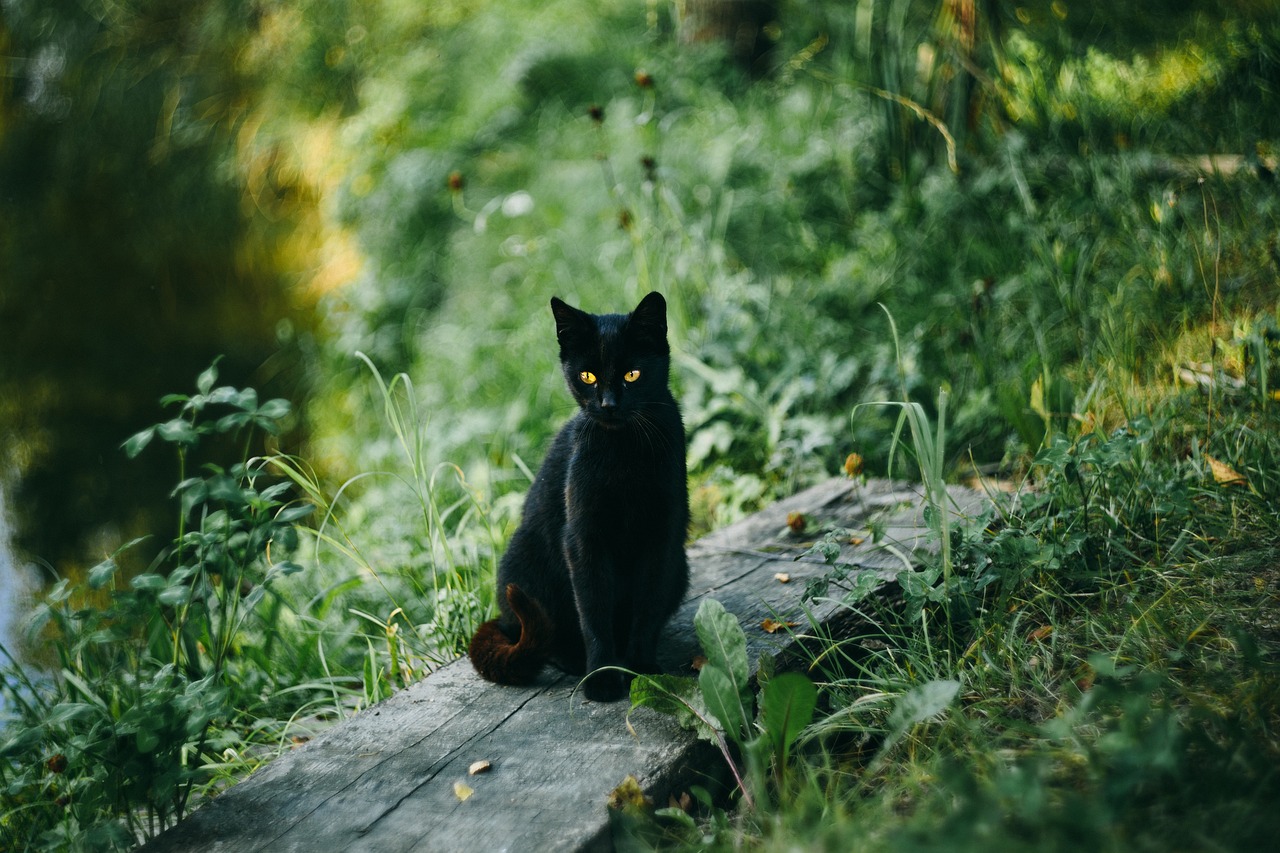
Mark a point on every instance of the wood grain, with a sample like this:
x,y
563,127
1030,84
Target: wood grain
x,y
385,780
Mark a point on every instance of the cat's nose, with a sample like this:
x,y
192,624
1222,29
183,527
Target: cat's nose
x,y
608,400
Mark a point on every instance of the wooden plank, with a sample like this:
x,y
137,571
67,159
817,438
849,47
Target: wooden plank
x,y
384,780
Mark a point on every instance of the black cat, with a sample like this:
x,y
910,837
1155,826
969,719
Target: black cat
x,y
597,565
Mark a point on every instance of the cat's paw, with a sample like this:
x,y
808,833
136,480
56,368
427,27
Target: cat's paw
x,y
644,665
607,686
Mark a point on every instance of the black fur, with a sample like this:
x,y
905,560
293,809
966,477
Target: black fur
x,y
600,547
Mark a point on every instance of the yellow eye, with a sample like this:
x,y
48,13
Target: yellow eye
x,y
631,375
587,377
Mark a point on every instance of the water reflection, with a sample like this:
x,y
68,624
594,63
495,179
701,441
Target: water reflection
x,y
15,588
144,230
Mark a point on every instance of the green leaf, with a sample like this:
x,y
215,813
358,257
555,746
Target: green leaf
x,y
918,584
786,707
61,591
226,489
194,490
137,442
665,694
724,700
204,382
675,696
147,740
101,574
275,409
225,396
255,595
270,493
865,584
22,740
921,703
233,421
148,582
722,641
174,596
285,567
288,515
177,431
678,815
68,712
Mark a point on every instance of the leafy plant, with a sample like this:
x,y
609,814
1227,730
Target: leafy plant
x,y
721,706
154,672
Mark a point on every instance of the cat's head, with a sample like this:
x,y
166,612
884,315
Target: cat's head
x,y
615,364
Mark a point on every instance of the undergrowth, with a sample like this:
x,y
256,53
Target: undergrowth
x,y
1100,667
245,636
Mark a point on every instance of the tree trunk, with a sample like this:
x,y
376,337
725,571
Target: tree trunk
x,y
741,25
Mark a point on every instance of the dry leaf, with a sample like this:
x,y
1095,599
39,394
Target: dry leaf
x,y
856,540
699,662
797,522
629,796
1040,633
1224,473
782,577
479,767
774,627
462,790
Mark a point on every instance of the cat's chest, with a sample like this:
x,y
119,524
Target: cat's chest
x,y
613,478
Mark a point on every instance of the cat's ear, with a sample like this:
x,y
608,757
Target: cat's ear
x,y
570,322
649,320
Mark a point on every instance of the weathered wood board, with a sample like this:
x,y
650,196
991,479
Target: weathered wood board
x,y
385,780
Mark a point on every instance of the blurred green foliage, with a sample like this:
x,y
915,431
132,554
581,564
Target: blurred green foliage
x,y
177,176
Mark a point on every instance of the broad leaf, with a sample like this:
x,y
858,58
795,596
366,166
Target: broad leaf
x,y
137,442
722,641
786,707
178,431
204,382
724,701
101,574
920,704
675,696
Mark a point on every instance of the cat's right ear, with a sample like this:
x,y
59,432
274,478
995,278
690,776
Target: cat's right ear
x,y
569,320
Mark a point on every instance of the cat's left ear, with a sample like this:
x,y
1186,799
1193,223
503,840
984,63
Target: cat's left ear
x,y
649,320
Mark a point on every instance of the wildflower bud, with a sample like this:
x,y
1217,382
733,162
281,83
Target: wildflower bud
x,y
455,182
597,113
644,79
853,465
624,219
797,522
57,763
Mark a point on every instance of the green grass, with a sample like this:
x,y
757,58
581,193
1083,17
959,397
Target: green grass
x,y
1099,670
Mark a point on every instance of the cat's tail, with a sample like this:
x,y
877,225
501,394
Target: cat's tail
x,y
498,659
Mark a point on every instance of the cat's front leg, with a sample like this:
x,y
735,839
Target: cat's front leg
x,y
642,645
663,590
595,592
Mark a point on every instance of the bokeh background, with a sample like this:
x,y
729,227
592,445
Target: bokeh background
x,y
282,184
